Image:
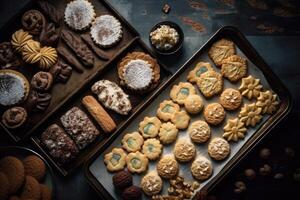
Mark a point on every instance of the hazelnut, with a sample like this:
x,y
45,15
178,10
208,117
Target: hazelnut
x,y
265,170
132,193
265,153
289,152
250,174
278,176
240,187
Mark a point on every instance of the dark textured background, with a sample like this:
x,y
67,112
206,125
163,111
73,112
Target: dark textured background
x,y
272,27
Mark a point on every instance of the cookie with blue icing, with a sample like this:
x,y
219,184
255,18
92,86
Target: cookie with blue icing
x,y
201,67
179,93
149,127
167,109
132,142
115,160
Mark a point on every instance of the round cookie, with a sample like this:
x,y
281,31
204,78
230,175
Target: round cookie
x,y
181,119
184,151
137,162
4,186
214,113
46,193
115,160
201,67
201,168
167,167
33,21
19,39
132,193
210,83
180,92
193,104
231,99
167,109
168,133
31,189
35,167
42,81
122,180
221,50
132,142
199,131
149,127
151,184
234,68
14,117
152,148
218,148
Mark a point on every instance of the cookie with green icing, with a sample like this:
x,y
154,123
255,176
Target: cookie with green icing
x,y
201,67
115,160
137,162
149,127
132,142
166,110
152,148
179,93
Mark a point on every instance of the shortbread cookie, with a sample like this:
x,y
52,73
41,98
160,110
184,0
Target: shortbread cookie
x,y
149,127
250,87
250,114
231,99
184,151
115,160
167,167
19,39
268,101
210,83
234,68
152,148
201,67
167,133
201,168
199,131
167,109
218,148
132,142
221,50
181,119
151,184
214,113
193,104
137,162
180,92
234,130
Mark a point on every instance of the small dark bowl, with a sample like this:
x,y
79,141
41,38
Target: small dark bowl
x,y
179,44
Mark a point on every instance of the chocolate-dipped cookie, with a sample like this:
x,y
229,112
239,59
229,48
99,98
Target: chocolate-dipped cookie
x,y
33,21
14,117
42,81
69,58
38,101
61,71
50,11
8,57
49,36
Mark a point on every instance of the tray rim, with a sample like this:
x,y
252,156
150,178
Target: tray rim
x,y
249,145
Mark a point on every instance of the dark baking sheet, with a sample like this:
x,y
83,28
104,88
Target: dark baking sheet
x,y
240,149
76,80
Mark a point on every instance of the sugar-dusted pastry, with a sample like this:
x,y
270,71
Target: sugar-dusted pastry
x,y
268,101
193,104
79,127
106,31
48,57
9,57
221,50
149,127
79,14
112,96
199,131
167,109
19,39
14,117
234,130
180,92
99,114
250,114
61,71
167,167
200,68
115,160
250,87
210,83
201,168
137,162
184,150
152,148
231,99
181,119
38,101
218,148
214,113
167,133
31,52
33,21
42,81
151,183
234,68
132,142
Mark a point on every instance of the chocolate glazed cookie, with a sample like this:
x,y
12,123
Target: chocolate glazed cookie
x,y
42,81
49,35
61,71
33,21
8,58
51,12
38,101
14,117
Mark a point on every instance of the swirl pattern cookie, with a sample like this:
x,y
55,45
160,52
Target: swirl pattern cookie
x,y
210,83
38,101
234,68
167,133
250,114
152,148
180,92
221,50
231,99
218,148
31,52
201,67
137,162
167,109
132,142
250,87
14,117
214,113
151,184
19,39
184,151
193,104
48,58
267,101
61,71
42,81
149,127
33,21
115,160
199,131
201,168
181,119
167,167
234,130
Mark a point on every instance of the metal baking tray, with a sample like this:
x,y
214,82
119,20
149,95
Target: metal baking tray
x,y
101,180
109,73
76,80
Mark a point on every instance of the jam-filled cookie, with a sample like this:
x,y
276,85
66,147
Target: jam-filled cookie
x,y
137,162
132,142
180,92
201,67
166,110
115,160
149,127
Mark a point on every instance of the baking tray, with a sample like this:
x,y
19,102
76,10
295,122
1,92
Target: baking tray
x,y
109,73
101,180
77,79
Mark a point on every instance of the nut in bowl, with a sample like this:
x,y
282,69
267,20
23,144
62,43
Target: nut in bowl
x,y
166,38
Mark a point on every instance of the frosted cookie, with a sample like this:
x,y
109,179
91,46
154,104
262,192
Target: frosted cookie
x,y
218,148
193,104
250,87
151,184
184,151
149,127
181,119
152,148
180,92
250,114
137,162
115,160
234,68
201,168
167,133
214,113
234,130
132,142
231,99
268,101
201,67
79,14
210,83
167,109
199,131
106,31
167,167
221,50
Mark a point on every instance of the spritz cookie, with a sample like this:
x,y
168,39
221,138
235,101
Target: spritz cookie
x,y
199,131
210,83
168,133
181,119
218,148
167,167
180,92
132,142
184,151
268,101
166,110
137,162
250,114
201,168
231,99
250,87
234,130
115,160
214,113
221,50
201,67
151,184
152,148
149,127
234,68
193,104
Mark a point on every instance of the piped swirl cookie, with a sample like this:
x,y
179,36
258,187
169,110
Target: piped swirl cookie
x,y
149,127
250,114
132,142
250,87
201,67
180,92
221,50
234,68
115,160
137,162
268,101
167,109
210,83
234,130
